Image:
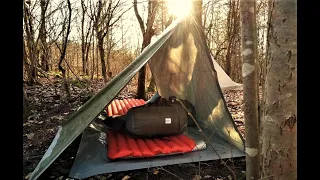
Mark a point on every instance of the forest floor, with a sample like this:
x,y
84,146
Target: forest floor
x,y
49,109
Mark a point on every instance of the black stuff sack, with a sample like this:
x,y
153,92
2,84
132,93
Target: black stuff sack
x,y
157,119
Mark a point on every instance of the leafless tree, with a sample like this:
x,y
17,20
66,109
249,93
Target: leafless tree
x,y
222,29
221,22
233,30
262,15
33,51
39,27
85,38
43,36
147,33
66,32
104,17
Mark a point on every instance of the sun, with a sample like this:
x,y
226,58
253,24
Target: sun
x,y
179,8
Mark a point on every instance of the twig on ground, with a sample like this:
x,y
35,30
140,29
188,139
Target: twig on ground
x,y
206,164
230,148
32,157
161,168
277,174
199,168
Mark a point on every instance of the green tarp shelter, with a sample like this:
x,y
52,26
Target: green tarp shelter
x,y
182,65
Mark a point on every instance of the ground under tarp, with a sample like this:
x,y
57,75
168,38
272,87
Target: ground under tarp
x,y
92,157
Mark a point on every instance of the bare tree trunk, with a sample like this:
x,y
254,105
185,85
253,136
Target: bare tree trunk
x,y
43,36
88,44
25,61
32,48
83,43
250,90
63,53
102,24
67,70
92,71
83,56
50,62
97,52
228,60
229,38
103,62
279,118
152,85
26,109
109,42
147,33
77,60
100,38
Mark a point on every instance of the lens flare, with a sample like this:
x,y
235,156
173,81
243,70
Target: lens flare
x,y
179,8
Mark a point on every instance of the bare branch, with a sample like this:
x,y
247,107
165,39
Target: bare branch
x,y
64,46
142,28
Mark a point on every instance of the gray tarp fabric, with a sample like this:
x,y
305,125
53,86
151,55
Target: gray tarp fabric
x,y
225,81
92,157
182,66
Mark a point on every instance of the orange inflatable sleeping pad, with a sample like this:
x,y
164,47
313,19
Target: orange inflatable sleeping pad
x,y
123,146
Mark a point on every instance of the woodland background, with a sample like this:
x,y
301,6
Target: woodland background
x,y
72,48
98,39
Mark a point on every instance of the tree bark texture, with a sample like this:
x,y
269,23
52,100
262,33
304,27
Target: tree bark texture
x,y
102,56
26,109
100,37
43,36
250,91
31,44
279,118
109,47
83,43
